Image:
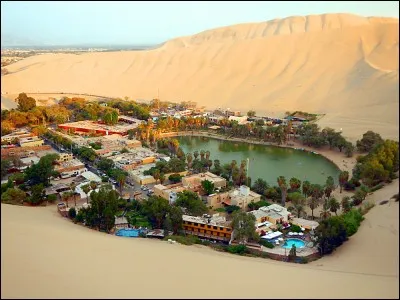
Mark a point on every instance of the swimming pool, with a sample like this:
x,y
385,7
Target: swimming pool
x,y
128,232
298,243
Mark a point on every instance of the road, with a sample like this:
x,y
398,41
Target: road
x,y
130,186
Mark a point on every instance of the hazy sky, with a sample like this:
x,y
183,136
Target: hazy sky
x,y
139,22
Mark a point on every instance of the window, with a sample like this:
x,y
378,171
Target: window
x,y
229,229
215,227
209,226
222,228
222,234
208,232
190,223
202,225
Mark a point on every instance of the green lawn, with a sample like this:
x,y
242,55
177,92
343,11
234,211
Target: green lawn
x,y
136,219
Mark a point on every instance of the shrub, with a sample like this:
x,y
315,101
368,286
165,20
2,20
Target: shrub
x,y
266,244
237,249
52,198
72,213
352,221
295,228
184,240
377,187
80,217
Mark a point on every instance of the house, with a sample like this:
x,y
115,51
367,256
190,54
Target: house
x,y
194,181
30,142
240,197
168,192
209,227
273,213
240,120
121,222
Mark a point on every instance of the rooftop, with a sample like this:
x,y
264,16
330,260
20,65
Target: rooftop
x,y
71,163
90,125
215,220
29,139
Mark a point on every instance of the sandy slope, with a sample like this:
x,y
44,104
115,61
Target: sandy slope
x,y
339,64
46,256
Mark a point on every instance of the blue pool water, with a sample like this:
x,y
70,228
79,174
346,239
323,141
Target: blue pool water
x,y
128,232
298,243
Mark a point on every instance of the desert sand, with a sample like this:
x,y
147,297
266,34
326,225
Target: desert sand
x,y
46,256
343,65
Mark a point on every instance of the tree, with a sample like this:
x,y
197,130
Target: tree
x,y
292,253
298,202
86,189
251,113
313,203
346,206
330,233
306,188
13,196
5,165
105,164
349,149
208,186
191,201
72,213
343,178
189,159
121,178
329,186
175,178
37,195
260,185
243,225
369,140
162,178
25,103
156,175
175,215
41,172
282,185
156,209
65,197
294,184
334,205
325,210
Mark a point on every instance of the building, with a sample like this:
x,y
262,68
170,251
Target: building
x,y
88,127
240,120
70,165
169,192
64,157
307,224
193,182
17,134
30,142
121,222
138,176
243,196
131,160
213,228
273,213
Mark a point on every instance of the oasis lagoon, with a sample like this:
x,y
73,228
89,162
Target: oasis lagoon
x,y
266,162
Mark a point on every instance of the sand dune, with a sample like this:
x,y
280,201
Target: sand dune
x,y
343,65
45,256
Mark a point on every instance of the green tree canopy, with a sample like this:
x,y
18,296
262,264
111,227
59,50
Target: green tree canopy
x,y
25,103
191,201
243,225
208,186
41,172
369,140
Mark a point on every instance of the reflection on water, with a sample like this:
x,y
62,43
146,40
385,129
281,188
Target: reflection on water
x,y
267,162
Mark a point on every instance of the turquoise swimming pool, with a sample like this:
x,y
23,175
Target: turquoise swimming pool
x,y
128,232
297,242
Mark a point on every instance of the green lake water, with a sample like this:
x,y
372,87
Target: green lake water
x,y
266,162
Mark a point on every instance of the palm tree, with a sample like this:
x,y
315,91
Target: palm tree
x,y
202,153
313,203
329,186
73,188
121,180
346,204
196,154
156,175
65,197
325,210
189,159
306,188
282,185
208,155
343,178
298,203
162,178
334,205
93,185
86,189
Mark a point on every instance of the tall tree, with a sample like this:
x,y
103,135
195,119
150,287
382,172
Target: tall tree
x,y
208,186
25,103
243,225
191,201
343,178
282,185
334,205
260,185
